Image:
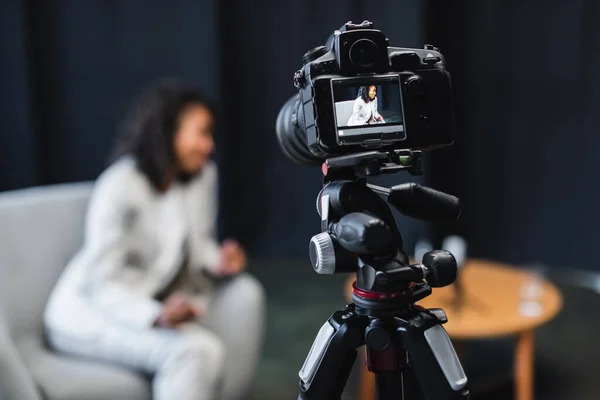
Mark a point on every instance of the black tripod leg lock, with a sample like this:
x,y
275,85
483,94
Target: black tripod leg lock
x,y
330,359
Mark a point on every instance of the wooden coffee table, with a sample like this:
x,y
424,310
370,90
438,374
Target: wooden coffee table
x,y
498,301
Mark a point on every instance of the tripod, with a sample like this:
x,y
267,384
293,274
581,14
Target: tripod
x,y
406,346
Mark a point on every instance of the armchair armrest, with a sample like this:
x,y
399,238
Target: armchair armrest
x,y
15,381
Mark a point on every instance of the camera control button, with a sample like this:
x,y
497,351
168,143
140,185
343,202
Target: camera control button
x,y
431,60
414,84
299,79
405,61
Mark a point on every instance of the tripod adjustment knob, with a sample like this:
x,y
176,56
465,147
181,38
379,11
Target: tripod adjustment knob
x,y
322,253
441,268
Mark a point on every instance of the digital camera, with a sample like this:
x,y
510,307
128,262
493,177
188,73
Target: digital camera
x,y
358,94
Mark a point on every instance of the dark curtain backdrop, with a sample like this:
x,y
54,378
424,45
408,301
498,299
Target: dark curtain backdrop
x,y
70,69
524,162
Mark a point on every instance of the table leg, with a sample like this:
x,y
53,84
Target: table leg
x,y
366,386
524,366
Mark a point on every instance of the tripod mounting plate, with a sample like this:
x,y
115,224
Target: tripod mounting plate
x,y
372,163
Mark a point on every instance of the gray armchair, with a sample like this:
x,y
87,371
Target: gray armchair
x,y
40,230
343,111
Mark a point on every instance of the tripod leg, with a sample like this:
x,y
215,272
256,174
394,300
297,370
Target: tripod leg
x,y
330,359
389,385
395,380
367,379
412,391
432,358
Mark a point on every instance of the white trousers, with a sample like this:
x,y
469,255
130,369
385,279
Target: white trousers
x,y
212,359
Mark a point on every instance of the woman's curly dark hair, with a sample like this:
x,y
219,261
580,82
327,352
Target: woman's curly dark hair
x,y
363,93
148,131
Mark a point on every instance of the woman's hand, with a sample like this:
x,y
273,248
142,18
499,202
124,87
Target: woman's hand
x,y
233,258
177,309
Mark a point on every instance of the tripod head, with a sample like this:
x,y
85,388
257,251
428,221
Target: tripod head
x,y
359,233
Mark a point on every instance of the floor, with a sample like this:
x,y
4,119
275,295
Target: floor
x,y
300,301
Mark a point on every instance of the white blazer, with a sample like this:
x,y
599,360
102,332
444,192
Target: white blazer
x,y
133,247
363,112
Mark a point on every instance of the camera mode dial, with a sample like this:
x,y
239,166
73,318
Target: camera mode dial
x,y
313,54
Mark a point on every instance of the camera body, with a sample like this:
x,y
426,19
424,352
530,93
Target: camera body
x,y
358,94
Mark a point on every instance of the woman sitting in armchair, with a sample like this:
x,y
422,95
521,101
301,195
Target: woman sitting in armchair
x,y
151,289
364,111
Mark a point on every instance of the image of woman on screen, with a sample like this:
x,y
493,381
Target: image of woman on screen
x,y
364,111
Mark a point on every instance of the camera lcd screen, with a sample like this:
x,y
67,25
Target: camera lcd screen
x,y
368,109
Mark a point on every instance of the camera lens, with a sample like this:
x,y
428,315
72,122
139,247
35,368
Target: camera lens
x,y
291,133
363,53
